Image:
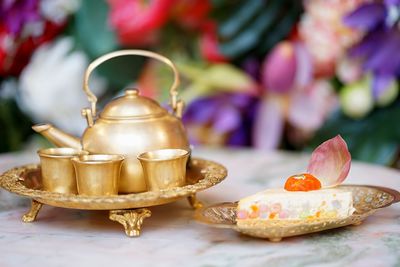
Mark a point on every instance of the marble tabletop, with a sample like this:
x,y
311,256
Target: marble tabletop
x,y
171,237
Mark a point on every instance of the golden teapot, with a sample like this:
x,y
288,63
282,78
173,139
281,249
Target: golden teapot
x,y
129,125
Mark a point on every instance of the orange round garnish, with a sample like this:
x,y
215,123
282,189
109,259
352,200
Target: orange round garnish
x,y
302,182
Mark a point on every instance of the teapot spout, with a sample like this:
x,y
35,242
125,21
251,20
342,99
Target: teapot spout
x,y
56,136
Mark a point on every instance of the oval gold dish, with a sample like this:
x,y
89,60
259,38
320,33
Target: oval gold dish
x,y
367,199
26,181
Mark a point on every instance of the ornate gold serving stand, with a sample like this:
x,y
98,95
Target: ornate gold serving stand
x,y
366,200
129,209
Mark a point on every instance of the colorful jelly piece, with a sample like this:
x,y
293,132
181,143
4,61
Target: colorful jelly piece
x,y
242,214
276,207
254,212
263,208
283,214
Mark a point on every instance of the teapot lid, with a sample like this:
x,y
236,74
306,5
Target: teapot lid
x,y
132,105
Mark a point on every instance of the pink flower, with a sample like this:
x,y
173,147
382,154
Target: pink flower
x,y
191,13
288,66
349,70
209,44
292,96
304,110
324,34
137,22
15,52
279,70
310,106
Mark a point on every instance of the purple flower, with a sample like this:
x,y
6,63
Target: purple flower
x,y
227,115
252,67
14,14
380,46
367,16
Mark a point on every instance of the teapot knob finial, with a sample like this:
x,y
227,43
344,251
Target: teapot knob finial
x,y
131,92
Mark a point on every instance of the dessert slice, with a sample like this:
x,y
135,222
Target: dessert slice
x,y
308,196
279,204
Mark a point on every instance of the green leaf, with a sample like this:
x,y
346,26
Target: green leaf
x,y
282,28
194,91
190,70
228,78
375,138
377,151
242,16
15,126
215,78
91,28
94,36
251,35
121,71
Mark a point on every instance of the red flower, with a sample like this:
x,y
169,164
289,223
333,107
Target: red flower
x,y
209,43
137,21
191,13
16,53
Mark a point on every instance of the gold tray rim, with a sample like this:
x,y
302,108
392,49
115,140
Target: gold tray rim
x,y
259,231
212,172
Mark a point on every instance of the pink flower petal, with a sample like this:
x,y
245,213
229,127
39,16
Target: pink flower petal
x,y
304,67
268,127
330,162
309,107
279,69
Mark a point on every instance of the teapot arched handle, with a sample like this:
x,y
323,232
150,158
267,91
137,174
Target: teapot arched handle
x,y
176,104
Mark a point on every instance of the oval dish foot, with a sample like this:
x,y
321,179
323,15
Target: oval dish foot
x,y
194,202
275,239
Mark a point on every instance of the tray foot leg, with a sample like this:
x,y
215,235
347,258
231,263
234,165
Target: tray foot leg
x,y
194,202
30,216
132,220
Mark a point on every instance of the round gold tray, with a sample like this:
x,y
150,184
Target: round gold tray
x,y
26,181
366,200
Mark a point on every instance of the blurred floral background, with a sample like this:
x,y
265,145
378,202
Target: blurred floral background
x,y
274,74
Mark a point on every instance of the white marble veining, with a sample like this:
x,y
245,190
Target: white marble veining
x,y
170,237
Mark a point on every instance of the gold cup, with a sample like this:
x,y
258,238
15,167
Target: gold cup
x,y
164,168
58,174
98,175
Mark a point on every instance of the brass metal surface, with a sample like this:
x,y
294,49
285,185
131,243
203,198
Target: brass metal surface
x,y
129,125
164,168
27,181
57,137
132,106
97,175
131,220
367,199
31,215
173,92
194,202
58,174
